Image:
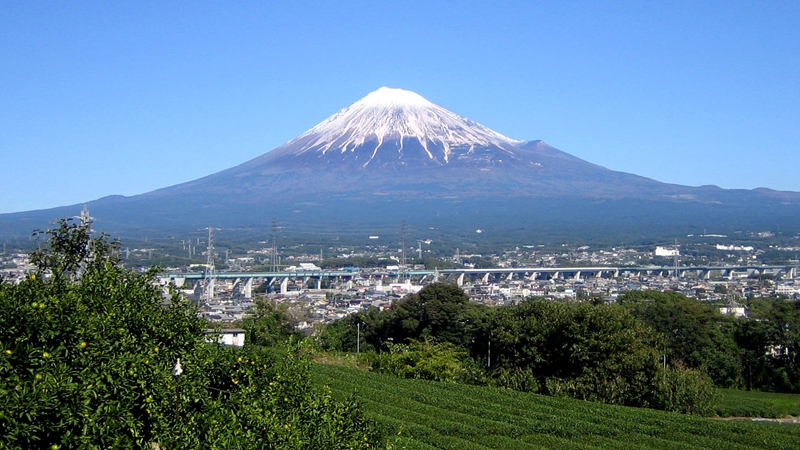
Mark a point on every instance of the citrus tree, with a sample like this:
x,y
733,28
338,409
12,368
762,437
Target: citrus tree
x,y
88,356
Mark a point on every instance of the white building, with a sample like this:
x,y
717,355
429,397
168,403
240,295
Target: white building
x,y
233,337
789,290
667,251
735,248
735,311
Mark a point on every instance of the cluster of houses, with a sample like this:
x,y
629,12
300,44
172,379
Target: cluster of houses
x,y
313,307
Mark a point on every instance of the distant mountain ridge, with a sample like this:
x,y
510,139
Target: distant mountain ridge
x,y
393,155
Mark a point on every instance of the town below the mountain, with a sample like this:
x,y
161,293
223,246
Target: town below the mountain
x,y
709,268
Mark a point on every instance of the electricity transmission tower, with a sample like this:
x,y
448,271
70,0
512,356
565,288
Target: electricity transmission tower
x,y
403,231
208,276
273,254
85,218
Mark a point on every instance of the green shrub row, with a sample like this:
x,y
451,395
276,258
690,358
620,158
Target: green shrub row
x,y
736,403
437,413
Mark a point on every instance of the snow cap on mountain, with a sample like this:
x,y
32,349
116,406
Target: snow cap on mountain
x,y
388,120
393,97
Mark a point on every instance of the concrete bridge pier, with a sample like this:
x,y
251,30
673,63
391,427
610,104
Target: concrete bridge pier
x,y
248,289
785,273
284,285
237,283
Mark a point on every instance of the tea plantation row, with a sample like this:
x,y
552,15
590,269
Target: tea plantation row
x,y
450,416
737,403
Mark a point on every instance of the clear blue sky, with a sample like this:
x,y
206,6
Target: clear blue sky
x,y
101,98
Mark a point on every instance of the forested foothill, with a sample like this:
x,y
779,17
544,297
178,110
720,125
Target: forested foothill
x,y
649,349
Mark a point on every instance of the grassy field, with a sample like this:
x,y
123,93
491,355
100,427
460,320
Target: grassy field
x,y
734,403
448,416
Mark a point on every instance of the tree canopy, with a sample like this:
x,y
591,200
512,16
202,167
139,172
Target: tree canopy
x,y
88,350
591,351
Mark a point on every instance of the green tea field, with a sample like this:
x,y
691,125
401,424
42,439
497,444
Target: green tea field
x,y
429,415
735,403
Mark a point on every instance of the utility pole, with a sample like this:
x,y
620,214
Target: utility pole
x,y
489,354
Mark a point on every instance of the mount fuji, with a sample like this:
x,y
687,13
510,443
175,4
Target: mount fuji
x,y
394,156
395,141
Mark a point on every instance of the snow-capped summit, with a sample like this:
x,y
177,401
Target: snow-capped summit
x,y
395,128
390,97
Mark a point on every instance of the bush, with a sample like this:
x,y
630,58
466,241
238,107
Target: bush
x,y
517,378
687,391
598,353
422,360
87,350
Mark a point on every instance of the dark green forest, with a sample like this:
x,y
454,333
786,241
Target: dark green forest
x,y
650,349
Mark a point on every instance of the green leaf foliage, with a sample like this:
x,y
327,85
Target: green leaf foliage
x,y
591,352
754,352
87,351
269,325
423,360
430,415
692,334
596,352
438,311
441,312
687,391
738,403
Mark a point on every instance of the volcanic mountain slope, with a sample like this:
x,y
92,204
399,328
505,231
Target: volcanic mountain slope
x,y
395,141
393,155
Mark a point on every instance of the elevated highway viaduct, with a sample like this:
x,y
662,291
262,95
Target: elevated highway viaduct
x,y
244,280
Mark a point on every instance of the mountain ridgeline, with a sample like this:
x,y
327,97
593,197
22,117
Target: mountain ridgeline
x,y
394,156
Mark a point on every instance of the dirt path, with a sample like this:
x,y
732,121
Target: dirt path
x,y
787,419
